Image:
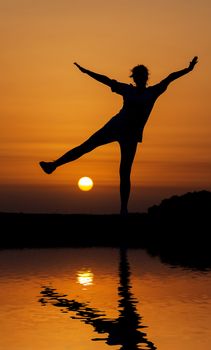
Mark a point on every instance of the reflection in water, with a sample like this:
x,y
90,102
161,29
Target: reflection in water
x,y
85,277
125,329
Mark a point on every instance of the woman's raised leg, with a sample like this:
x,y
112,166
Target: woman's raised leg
x,y
98,139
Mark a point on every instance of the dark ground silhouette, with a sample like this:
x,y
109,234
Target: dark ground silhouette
x,y
178,230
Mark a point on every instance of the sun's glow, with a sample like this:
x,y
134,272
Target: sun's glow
x,y
85,277
85,183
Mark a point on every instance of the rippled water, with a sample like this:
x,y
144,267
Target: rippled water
x,y
95,298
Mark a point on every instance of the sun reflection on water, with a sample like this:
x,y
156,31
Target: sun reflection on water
x,y
85,277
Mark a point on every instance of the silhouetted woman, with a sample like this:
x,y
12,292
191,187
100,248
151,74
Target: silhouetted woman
x,y
127,126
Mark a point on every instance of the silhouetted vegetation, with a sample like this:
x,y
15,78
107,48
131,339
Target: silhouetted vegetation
x,y
180,229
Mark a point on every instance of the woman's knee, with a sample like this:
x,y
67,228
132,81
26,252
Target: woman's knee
x,y
87,146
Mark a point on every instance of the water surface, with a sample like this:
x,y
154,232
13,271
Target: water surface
x,y
98,298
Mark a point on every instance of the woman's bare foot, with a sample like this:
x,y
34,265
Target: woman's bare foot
x,y
48,167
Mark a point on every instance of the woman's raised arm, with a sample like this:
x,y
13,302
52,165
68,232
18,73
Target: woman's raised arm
x,y
99,77
175,75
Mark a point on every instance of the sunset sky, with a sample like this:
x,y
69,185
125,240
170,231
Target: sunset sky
x,y
48,106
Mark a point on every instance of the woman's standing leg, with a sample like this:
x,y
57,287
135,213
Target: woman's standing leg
x,y
128,152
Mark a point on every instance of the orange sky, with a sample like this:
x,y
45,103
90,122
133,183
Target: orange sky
x,y
48,106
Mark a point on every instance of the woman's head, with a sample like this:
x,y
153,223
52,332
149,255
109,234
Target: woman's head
x,y
140,74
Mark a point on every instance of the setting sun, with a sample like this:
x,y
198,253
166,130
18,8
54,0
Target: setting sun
x,y
85,183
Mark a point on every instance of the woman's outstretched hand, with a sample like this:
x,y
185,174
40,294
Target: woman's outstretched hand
x,y
83,70
193,62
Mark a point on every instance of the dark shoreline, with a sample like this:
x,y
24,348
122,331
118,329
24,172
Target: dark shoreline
x,y
177,230
25,230
178,244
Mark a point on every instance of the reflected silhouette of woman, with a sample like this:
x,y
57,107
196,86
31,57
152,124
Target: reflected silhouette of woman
x,y
126,330
127,126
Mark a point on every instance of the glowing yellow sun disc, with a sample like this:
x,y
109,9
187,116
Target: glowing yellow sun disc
x,y
85,183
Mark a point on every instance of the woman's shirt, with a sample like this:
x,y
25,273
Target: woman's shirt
x,y
137,105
